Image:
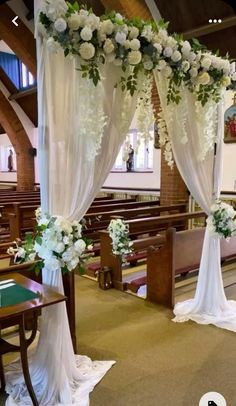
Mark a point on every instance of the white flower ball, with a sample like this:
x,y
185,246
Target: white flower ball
x,y
185,66
74,22
193,72
135,44
148,65
167,71
158,47
120,37
134,57
206,62
108,46
171,43
60,25
86,33
176,56
134,32
168,52
186,47
87,50
80,246
53,47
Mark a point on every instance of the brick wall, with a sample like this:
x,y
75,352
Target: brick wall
x,y
173,188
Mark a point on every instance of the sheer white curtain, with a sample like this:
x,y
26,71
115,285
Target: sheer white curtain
x,y
203,179
69,182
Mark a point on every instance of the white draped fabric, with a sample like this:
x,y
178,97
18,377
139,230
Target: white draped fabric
x,y
203,179
69,182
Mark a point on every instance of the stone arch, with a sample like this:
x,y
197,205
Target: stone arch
x,y
21,143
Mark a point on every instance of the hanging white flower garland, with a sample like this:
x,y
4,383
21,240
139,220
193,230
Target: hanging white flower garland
x,y
119,234
142,46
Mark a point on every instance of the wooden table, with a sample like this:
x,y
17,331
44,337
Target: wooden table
x,y
16,315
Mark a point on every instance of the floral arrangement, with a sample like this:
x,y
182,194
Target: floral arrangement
x,y
57,245
141,45
222,220
119,233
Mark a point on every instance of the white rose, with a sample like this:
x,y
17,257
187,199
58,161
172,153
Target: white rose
x,y
134,32
53,47
134,57
185,66
158,47
226,81
135,44
191,56
80,246
206,62
176,56
203,78
87,50
161,64
127,44
74,22
120,37
186,47
60,247
60,24
148,65
107,27
110,57
168,52
86,34
108,46
93,21
193,72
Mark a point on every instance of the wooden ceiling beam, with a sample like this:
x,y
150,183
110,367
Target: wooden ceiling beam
x,y
19,38
210,28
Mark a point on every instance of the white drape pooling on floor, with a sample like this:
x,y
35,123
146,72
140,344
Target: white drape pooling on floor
x,y
203,179
69,183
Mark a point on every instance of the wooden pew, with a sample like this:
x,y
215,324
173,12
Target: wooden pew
x,y
165,262
136,228
125,205
22,220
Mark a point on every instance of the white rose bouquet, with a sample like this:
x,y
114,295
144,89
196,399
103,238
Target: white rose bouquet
x,y
57,244
222,220
119,233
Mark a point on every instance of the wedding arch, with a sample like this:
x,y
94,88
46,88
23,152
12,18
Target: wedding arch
x,y
93,72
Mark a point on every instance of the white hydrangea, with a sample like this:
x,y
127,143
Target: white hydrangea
x,y
87,50
86,33
134,57
60,24
135,44
55,9
93,21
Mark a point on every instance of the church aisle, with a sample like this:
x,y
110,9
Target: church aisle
x,y
158,362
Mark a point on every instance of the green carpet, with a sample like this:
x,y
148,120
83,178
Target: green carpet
x,y
159,363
